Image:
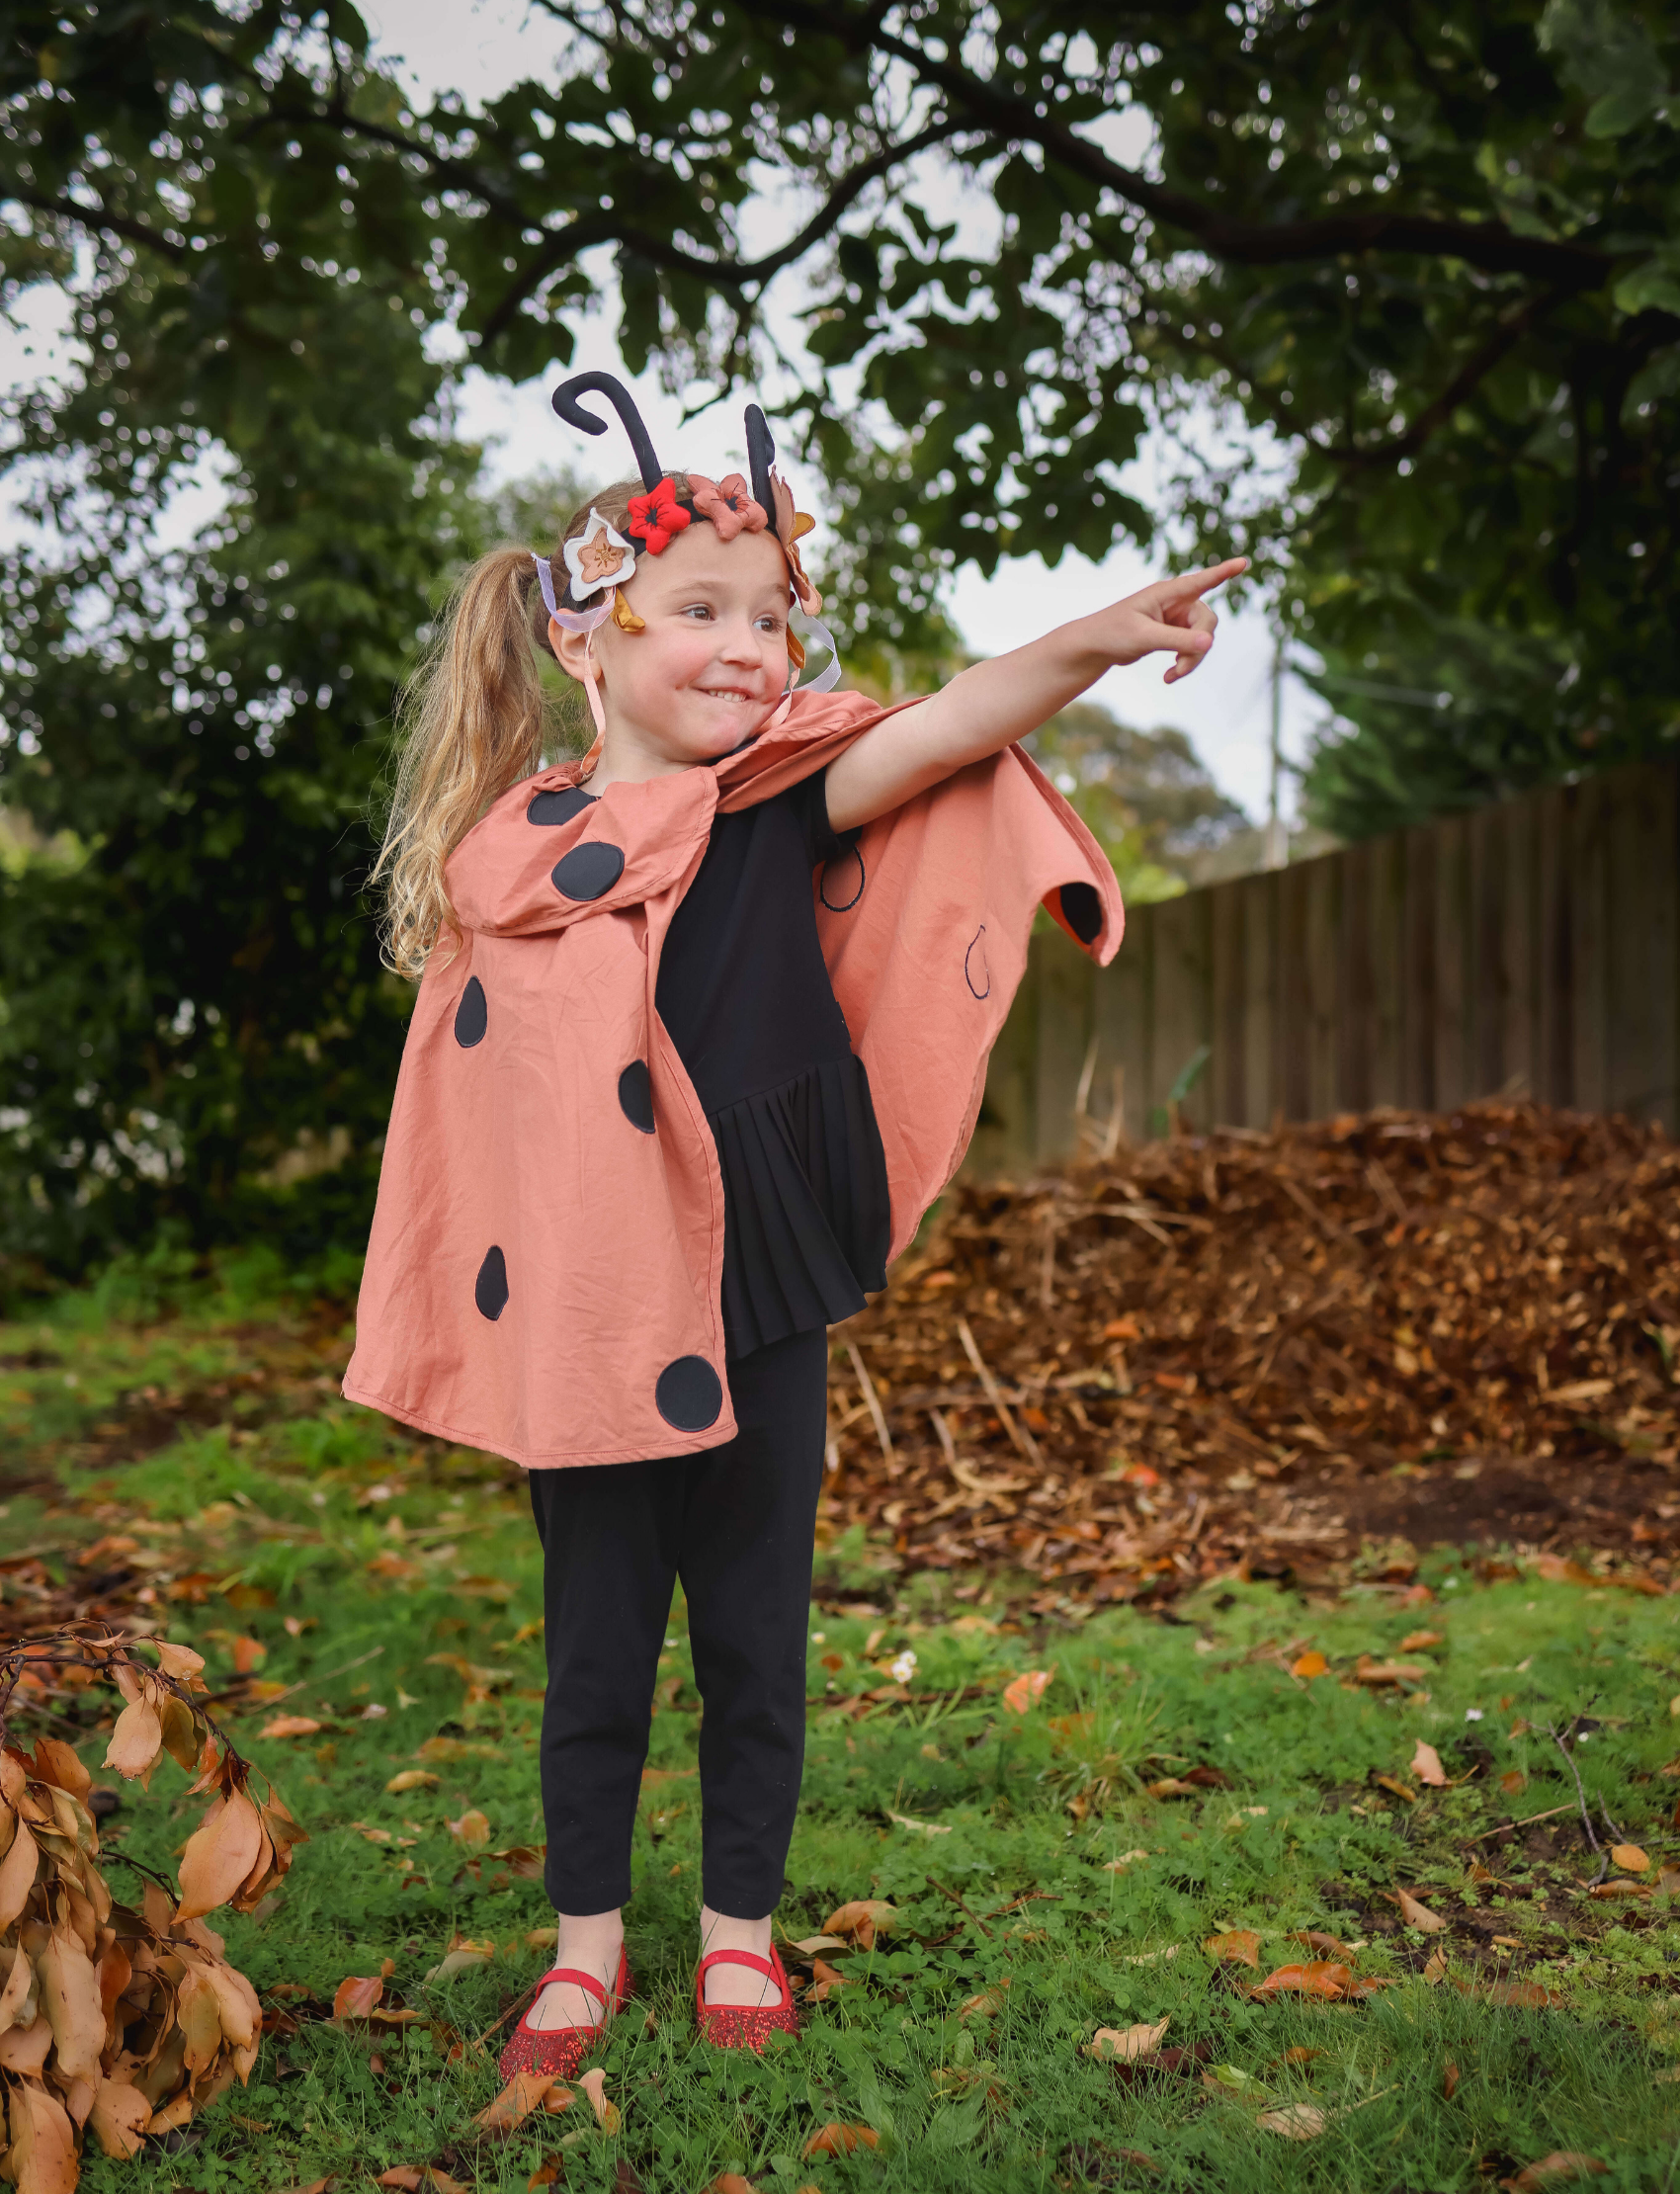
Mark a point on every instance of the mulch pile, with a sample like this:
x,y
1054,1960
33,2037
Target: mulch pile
x,y
1266,1354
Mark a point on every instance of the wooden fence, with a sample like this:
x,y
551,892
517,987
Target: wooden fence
x,y
1529,948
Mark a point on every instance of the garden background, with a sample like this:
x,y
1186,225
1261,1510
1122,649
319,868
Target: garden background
x,y
1388,300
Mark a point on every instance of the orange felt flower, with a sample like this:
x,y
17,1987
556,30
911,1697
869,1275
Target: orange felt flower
x,y
729,504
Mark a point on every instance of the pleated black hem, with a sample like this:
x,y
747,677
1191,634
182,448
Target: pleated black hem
x,y
808,1217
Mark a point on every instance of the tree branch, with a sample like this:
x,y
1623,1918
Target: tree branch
x,y
1489,245
727,274
97,218
1512,327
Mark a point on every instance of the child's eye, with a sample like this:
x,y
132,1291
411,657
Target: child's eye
x,y
697,609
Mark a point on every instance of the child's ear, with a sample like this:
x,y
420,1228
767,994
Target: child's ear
x,y
569,649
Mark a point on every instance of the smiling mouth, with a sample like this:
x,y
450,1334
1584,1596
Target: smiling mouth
x,y
724,693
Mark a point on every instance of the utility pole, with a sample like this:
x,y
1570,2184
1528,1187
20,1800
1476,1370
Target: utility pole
x,y
1276,855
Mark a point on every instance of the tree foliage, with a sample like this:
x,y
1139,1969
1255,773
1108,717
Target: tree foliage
x,y
1429,251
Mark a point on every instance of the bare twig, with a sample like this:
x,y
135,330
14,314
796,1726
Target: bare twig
x,y
1505,1826
1557,1736
305,1682
935,1883
1022,1438
872,1400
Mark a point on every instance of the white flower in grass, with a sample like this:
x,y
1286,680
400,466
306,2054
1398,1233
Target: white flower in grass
x,y
1472,1713
905,1668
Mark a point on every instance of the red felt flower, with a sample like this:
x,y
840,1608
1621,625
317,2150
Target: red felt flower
x,y
656,518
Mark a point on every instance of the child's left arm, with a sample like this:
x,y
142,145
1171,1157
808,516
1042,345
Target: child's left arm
x,y
995,703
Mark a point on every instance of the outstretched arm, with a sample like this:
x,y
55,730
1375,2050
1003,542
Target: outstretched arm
x,y
995,703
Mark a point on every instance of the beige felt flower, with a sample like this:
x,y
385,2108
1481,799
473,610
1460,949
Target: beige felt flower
x,y
597,556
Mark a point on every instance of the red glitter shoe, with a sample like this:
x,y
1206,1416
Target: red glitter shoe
x,y
561,2050
744,2026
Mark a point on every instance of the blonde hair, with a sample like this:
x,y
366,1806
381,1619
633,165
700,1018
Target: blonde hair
x,y
472,721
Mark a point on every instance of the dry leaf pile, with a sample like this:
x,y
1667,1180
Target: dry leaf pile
x,y
1236,1349
118,2020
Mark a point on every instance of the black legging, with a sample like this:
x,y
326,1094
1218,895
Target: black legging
x,y
737,1524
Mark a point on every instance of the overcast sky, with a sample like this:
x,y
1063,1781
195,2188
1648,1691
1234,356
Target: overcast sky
x,y
481,50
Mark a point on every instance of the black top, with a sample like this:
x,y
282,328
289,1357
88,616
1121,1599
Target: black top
x,y
744,994
743,991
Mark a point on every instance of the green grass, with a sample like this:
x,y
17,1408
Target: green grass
x,y
391,1552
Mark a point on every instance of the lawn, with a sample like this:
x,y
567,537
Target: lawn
x,y
175,1451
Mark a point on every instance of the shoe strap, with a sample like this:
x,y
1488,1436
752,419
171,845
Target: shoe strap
x,y
578,1980
736,1958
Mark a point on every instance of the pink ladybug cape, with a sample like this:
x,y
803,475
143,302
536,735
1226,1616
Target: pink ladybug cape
x,y
544,1274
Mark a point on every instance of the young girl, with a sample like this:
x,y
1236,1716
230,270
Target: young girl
x,y
701,1032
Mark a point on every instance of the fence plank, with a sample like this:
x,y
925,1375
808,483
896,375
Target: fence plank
x,y
1533,946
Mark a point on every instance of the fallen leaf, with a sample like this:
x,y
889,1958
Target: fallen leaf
x,y
412,1778
838,2140
248,1653
1513,1781
811,1944
1630,1858
1128,2045
466,1955
1426,1766
472,1829
1418,1915
517,2101
1392,1784
290,1725
1449,2081
922,1827
356,1997
1419,1640
594,2086
1550,2170
988,2004
1296,2121
731,2182
1232,2079
1309,1666
1379,1673
1237,1946
406,2175
1321,1977
1620,1888
1521,1996
1125,1860
1668,1877
1435,1967
1327,1946
1172,1786
863,1919
1028,1687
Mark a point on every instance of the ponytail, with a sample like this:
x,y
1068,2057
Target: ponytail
x,y
472,721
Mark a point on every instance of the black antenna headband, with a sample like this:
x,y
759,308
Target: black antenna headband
x,y
761,448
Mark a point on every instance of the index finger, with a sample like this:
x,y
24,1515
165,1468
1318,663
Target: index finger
x,y
1191,584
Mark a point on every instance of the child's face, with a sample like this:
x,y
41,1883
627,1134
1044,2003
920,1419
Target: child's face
x,y
711,661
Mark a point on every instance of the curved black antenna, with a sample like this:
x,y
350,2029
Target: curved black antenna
x,y
761,454
624,403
